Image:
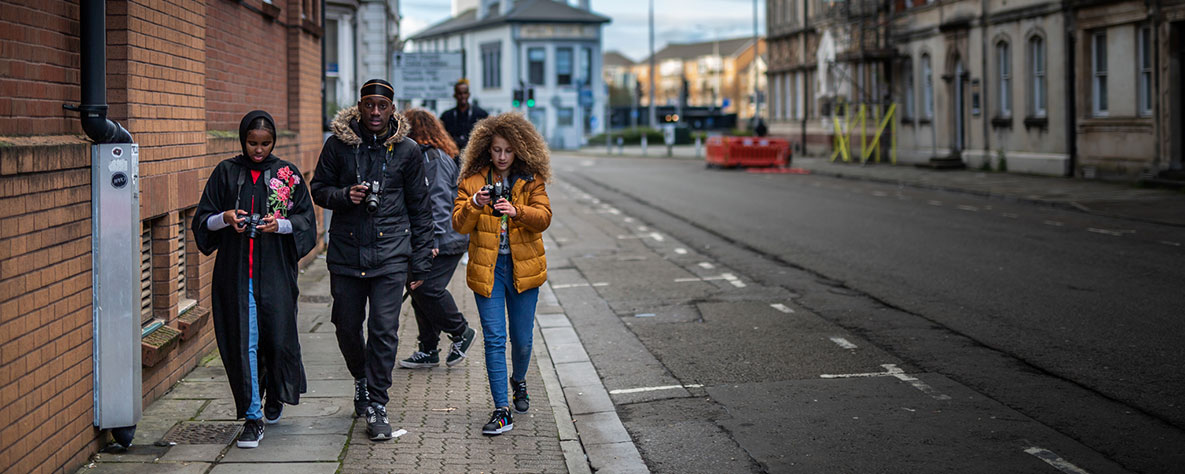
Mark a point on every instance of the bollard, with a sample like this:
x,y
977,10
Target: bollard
x,y
698,144
643,145
669,151
620,146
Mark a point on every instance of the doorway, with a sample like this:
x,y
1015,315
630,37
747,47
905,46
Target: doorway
x,y
959,138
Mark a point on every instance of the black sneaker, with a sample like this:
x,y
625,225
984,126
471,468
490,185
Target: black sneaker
x,y
500,422
361,397
272,410
421,360
252,434
522,401
377,425
456,351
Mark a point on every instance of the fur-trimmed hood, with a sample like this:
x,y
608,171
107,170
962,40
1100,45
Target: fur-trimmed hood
x,y
530,150
345,127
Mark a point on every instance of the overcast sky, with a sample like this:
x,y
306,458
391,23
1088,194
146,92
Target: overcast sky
x,y
675,21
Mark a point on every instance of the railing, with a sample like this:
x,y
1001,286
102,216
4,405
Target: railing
x,y
842,141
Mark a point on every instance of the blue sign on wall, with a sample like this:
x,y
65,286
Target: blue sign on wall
x,y
725,103
586,98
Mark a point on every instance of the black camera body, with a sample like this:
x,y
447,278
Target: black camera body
x,y
497,191
374,189
253,224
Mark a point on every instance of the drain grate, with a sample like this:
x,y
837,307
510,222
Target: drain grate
x,y
314,299
202,433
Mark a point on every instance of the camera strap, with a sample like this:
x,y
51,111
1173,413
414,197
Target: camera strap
x,y
358,166
267,177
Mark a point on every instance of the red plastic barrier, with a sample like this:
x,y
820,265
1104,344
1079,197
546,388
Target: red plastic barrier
x,y
729,152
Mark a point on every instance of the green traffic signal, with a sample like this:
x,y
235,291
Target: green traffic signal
x,y
516,104
530,102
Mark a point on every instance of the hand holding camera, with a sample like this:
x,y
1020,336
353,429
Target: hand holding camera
x,y
235,218
253,224
498,198
358,192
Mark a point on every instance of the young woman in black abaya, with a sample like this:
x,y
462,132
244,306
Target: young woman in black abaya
x,y
254,291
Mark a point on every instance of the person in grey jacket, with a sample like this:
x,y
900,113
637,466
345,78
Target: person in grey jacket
x,y
434,306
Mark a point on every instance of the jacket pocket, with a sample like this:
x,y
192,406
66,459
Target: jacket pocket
x,y
393,243
343,248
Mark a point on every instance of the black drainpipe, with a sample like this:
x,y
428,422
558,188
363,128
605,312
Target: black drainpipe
x,y
93,23
1071,86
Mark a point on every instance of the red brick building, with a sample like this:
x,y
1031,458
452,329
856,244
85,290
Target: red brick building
x,y
180,74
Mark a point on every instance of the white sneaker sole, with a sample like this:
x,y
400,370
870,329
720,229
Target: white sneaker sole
x,y
499,430
457,361
249,444
417,365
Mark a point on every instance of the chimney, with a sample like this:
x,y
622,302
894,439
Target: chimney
x,y
584,5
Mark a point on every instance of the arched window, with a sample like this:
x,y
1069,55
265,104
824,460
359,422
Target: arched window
x,y
907,70
1004,78
1037,91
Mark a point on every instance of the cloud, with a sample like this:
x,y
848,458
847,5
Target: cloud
x,y
410,25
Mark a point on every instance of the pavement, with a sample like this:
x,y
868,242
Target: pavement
x,y
192,428
1123,200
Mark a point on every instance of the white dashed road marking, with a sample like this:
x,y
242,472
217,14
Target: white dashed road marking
x,y
651,389
577,285
781,307
841,342
681,251
706,265
1054,460
891,370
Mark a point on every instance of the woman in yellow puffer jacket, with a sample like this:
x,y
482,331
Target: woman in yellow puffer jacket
x,y
506,262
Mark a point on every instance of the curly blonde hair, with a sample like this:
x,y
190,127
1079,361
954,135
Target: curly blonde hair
x,y
531,156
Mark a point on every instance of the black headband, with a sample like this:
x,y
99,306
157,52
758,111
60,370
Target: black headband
x,y
377,87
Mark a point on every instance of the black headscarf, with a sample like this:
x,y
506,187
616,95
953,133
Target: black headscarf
x,y
245,158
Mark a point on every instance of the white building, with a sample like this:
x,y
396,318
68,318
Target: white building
x,y
360,39
547,45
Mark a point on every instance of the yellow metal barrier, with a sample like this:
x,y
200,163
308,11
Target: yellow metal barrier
x,y
842,142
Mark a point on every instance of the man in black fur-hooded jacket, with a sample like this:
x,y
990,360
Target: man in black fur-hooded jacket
x,y
380,238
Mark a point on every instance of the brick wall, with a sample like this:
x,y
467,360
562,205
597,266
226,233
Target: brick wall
x,y
175,71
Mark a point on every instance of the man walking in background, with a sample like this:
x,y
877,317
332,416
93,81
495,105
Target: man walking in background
x,y
459,120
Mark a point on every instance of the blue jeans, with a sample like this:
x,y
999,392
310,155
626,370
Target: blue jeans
x,y
253,411
493,312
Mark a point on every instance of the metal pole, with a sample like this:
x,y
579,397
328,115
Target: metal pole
x,y
653,92
756,56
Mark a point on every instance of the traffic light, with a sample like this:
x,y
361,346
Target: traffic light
x,y
531,97
518,98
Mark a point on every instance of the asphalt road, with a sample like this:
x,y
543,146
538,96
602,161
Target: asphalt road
x,y
814,324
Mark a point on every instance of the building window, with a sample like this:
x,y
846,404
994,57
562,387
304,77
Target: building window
x,y
491,65
586,65
1004,79
1037,76
1098,68
145,272
1145,57
565,116
927,88
563,66
536,57
908,111
799,102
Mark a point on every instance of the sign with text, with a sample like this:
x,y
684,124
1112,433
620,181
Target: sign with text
x,y
426,75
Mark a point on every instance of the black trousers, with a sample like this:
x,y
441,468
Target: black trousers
x,y
434,306
372,356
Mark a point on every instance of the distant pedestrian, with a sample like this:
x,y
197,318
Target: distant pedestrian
x,y
459,120
380,238
434,306
502,204
256,212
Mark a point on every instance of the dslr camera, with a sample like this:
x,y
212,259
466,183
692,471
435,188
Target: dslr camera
x,y
253,224
497,191
373,190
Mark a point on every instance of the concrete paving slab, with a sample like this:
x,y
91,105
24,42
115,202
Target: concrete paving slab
x,y
577,461
586,399
198,390
577,373
620,458
138,468
276,468
224,409
194,452
554,320
561,335
567,353
310,424
601,428
291,448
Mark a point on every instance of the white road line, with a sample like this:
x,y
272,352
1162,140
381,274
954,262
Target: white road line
x,y
737,283
1117,233
577,285
841,342
681,251
1053,223
934,203
642,228
733,280
685,280
1010,215
657,236
624,237
706,265
628,220
781,307
651,389
1169,242
1054,460
891,370
880,194
969,208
